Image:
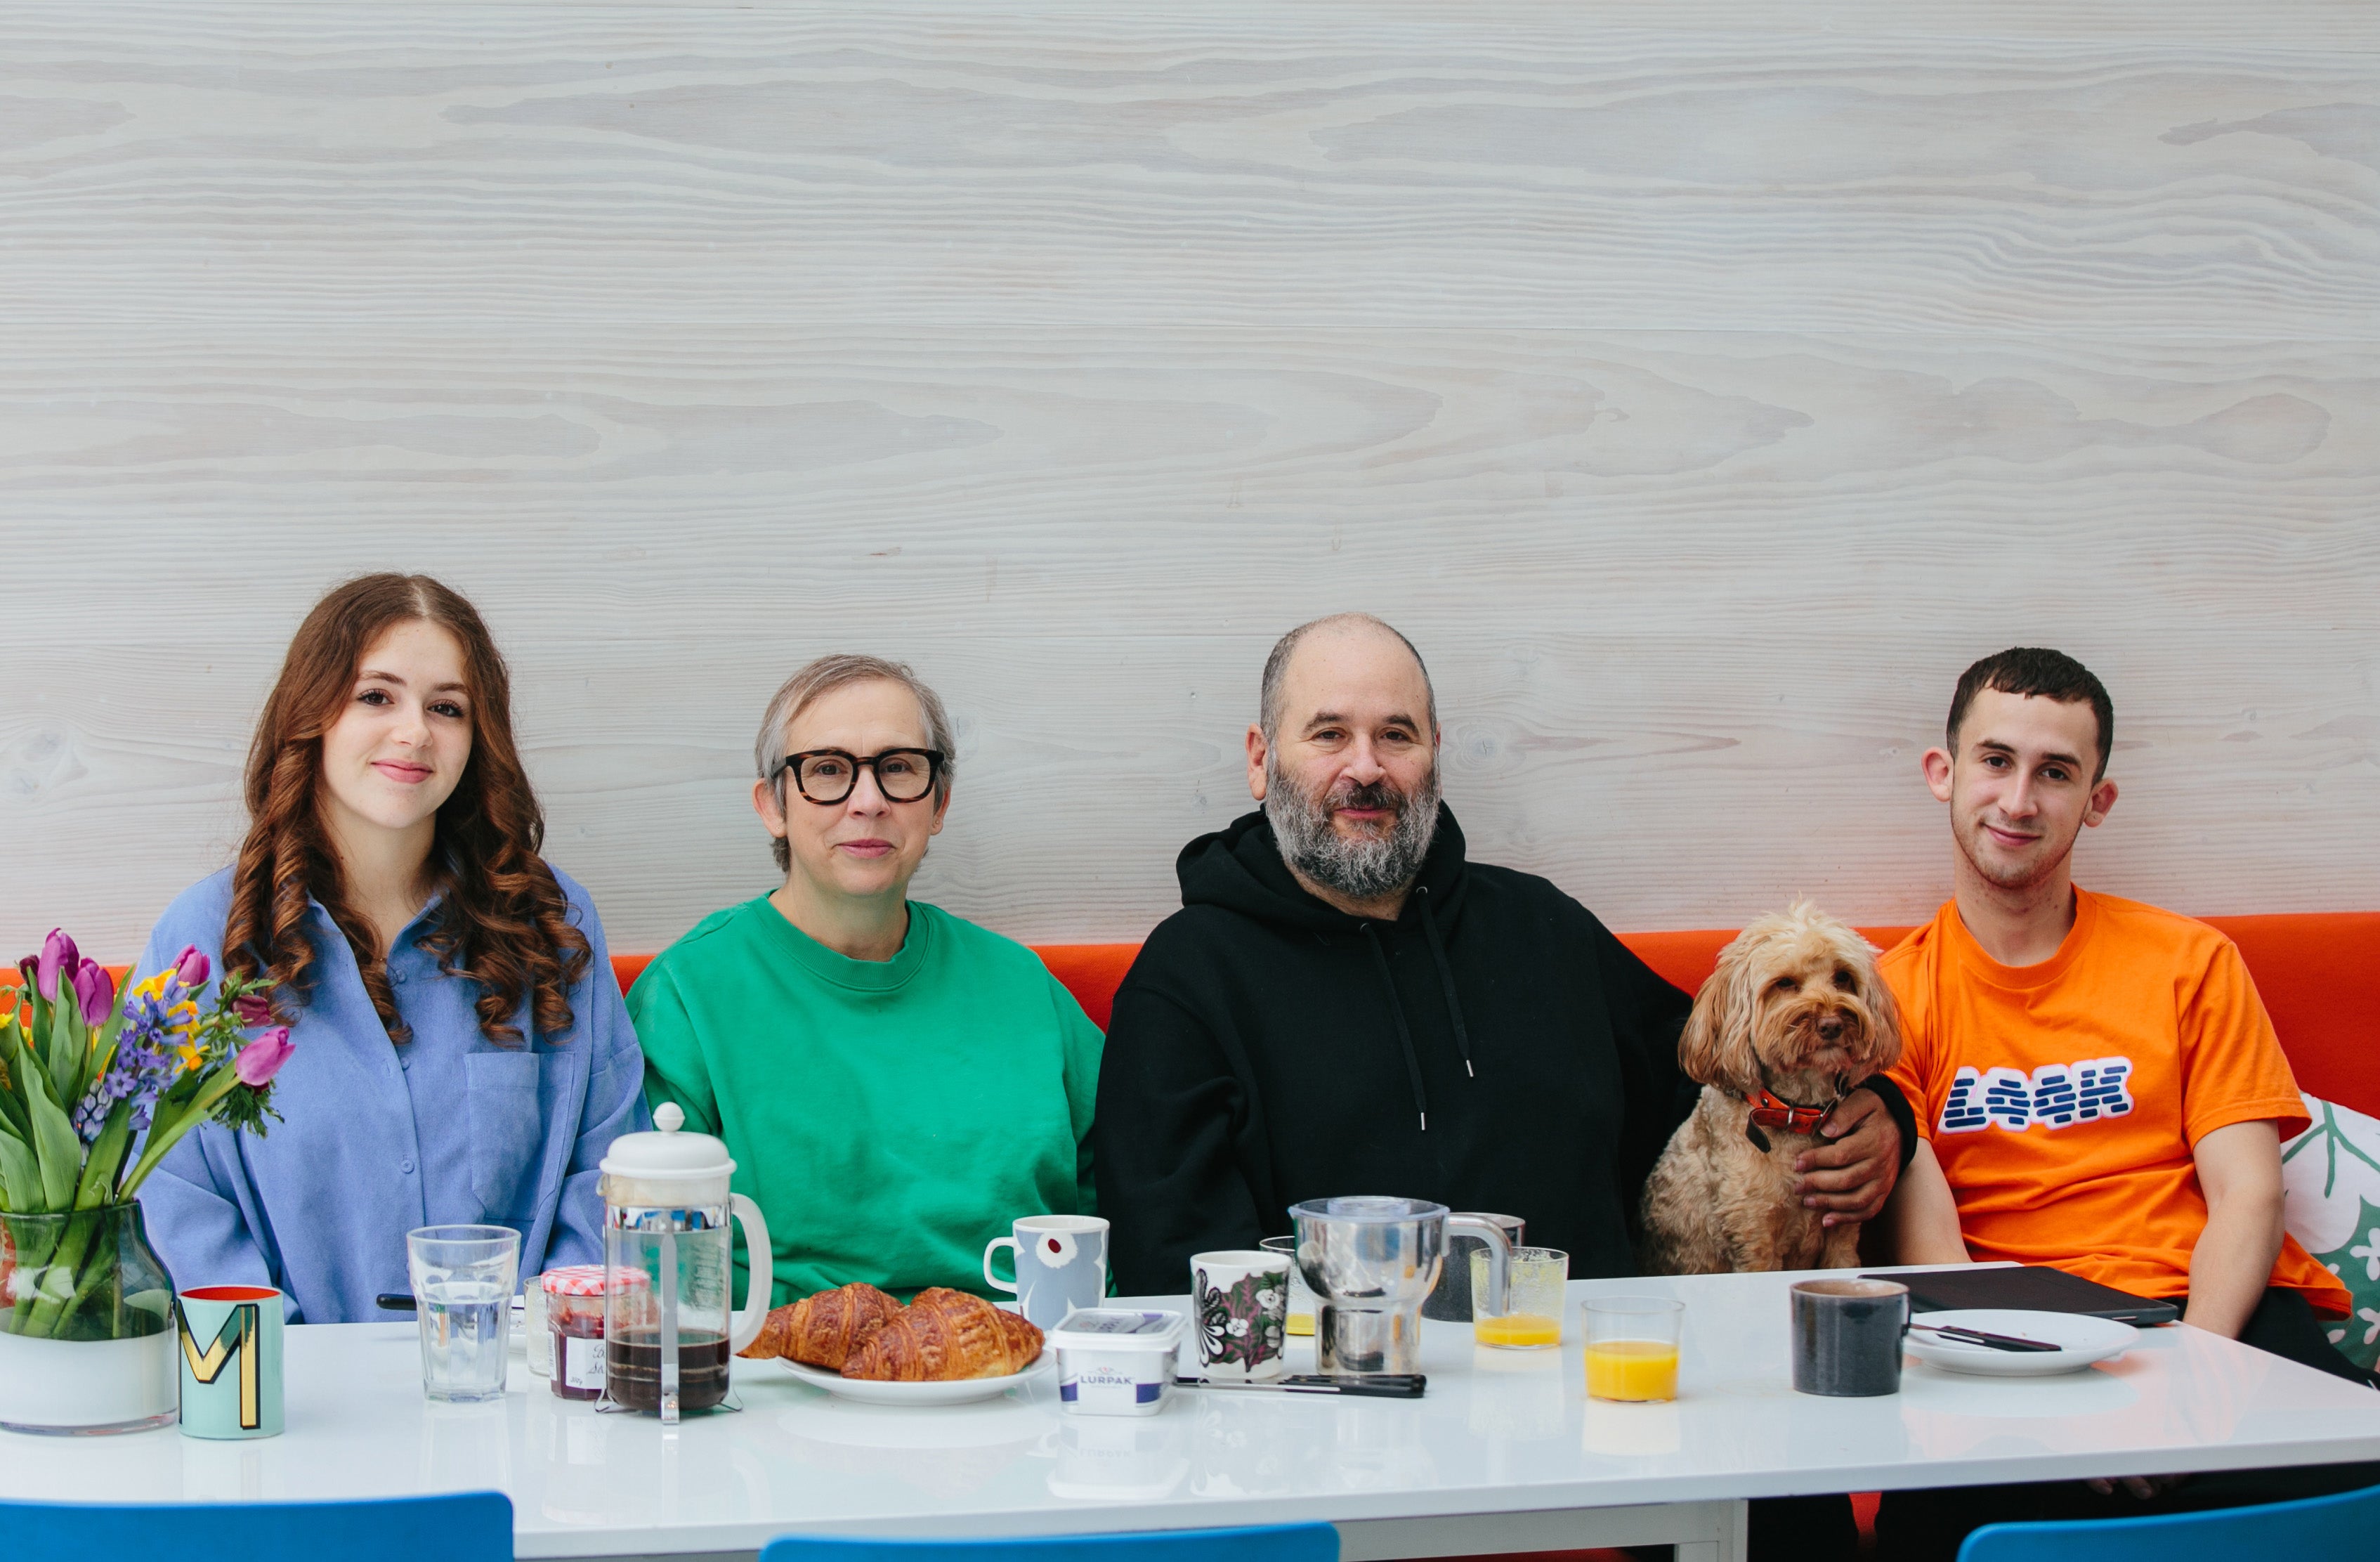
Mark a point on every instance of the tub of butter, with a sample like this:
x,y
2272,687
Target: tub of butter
x,y
1116,1361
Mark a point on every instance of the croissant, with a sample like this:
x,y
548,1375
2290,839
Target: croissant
x,y
944,1335
824,1329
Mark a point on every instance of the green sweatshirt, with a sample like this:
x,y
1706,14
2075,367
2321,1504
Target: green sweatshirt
x,y
890,1118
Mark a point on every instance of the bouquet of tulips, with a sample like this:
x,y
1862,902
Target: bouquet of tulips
x,y
97,1085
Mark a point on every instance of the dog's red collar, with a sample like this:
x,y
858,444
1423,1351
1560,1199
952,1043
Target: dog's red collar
x,y
1771,1111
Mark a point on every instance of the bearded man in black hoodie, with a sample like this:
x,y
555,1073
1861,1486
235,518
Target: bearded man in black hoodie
x,y
1344,1004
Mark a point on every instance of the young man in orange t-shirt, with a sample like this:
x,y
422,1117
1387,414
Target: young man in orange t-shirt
x,y
2095,1082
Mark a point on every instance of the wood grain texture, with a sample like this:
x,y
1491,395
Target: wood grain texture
x,y
1519,166
1700,386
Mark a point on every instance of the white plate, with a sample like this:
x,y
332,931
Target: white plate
x,y
2081,1341
868,1391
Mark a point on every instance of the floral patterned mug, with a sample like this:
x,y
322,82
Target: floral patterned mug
x,y
1239,1304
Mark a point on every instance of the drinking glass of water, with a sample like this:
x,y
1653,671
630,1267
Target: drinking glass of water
x,y
463,1281
1301,1300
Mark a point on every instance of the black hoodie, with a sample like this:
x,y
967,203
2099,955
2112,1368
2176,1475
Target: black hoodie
x,y
1494,1048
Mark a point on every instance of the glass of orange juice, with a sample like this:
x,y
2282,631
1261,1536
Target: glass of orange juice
x,y
1631,1346
1533,1299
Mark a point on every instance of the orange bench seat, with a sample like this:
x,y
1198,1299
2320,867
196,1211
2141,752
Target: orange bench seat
x,y
2319,974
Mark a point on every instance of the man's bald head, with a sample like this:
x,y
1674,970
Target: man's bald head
x,y
1344,758
1357,625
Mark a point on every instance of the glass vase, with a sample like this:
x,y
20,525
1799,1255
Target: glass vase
x,y
86,1325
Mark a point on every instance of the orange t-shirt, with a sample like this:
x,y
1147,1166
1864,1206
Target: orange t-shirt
x,y
2062,1099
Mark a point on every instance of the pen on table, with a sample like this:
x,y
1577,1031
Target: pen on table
x,y
398,1301
1390,1385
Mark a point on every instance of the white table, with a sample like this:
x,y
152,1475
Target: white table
x,y
1505,1454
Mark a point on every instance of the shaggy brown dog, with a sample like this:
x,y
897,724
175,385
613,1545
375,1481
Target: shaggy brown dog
x,y
1794,1016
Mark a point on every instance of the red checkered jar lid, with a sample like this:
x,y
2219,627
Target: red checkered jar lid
x,y
587,1279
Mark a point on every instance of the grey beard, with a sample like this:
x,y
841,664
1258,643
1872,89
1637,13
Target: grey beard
x,y
1361,870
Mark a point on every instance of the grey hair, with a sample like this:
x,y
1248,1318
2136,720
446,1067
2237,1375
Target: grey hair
x,y
1276,669
823,677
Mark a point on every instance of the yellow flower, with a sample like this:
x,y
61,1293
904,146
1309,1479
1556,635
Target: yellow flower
x,y
189,1056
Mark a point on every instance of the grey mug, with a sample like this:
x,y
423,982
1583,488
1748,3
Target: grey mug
x,y
1847,1337
1062,1264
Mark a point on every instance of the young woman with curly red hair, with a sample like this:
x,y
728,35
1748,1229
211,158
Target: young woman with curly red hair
x,y
463,1052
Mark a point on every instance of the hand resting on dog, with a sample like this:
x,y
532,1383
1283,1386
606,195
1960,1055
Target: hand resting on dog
x,y
1850,1175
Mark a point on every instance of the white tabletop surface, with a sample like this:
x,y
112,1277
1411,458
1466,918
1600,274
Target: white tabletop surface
x,y
1499,1431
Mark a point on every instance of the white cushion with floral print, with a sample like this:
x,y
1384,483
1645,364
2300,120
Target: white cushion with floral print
x,y
2332,1175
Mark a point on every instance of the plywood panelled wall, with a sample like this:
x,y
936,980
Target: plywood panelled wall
x,y
1701,386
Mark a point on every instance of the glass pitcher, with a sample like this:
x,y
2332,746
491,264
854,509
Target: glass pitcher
x,y
668,1330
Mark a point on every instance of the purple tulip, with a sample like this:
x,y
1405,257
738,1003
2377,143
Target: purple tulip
x,y
27,969
254,1008
58,959
190,968
263,1057
95,990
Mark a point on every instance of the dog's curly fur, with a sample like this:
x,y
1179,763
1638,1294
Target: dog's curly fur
x,y
1796,1003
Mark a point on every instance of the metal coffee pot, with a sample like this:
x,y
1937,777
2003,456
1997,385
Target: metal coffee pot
x,y
1369,1261
1450,1301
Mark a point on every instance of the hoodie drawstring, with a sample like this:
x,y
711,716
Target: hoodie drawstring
x,y
1405,1032
1445,980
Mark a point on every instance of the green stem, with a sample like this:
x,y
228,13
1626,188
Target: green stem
x,y
163,1137
32,1257
101,1272
49,1311
104,1158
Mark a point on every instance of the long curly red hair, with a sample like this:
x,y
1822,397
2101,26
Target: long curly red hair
x,y
504,924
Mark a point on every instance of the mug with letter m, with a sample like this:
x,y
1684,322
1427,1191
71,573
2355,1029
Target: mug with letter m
x,y
230,1338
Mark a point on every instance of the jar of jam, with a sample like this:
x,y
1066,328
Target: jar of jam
x,y
574,1315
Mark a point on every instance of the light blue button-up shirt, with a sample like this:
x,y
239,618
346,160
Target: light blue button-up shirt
x,y
376,1140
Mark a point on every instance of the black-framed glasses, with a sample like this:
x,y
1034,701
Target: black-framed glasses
x,y
827,776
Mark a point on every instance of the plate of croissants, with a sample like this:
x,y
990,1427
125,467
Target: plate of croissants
x,y
945,1348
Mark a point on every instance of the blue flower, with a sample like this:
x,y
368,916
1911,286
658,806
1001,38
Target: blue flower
x,y
147,1060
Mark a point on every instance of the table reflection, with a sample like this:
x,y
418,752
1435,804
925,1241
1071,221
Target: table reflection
x,y
227,1471
1518,1395
466,1447
1378,1454
949,1452
1633,1431
1246,1449
1121,1458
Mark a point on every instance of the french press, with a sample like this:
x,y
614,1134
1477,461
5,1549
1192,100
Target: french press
x,y
668,1333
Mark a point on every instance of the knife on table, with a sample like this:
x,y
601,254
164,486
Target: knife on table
x,y
1978,1336
1386,1385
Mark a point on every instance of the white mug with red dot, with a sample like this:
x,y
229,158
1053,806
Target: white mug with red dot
x,y
1062,1264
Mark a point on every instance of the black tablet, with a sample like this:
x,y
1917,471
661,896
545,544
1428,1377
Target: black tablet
x,y
2033,1288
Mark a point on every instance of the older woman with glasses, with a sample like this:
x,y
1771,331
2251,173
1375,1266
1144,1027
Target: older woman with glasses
x,y
896,1084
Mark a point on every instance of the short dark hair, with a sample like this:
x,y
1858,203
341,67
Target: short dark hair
x,y
2032,670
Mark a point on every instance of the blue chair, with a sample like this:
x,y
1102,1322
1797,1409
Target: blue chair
x,y
2344,1525
467,1527
1270,1542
